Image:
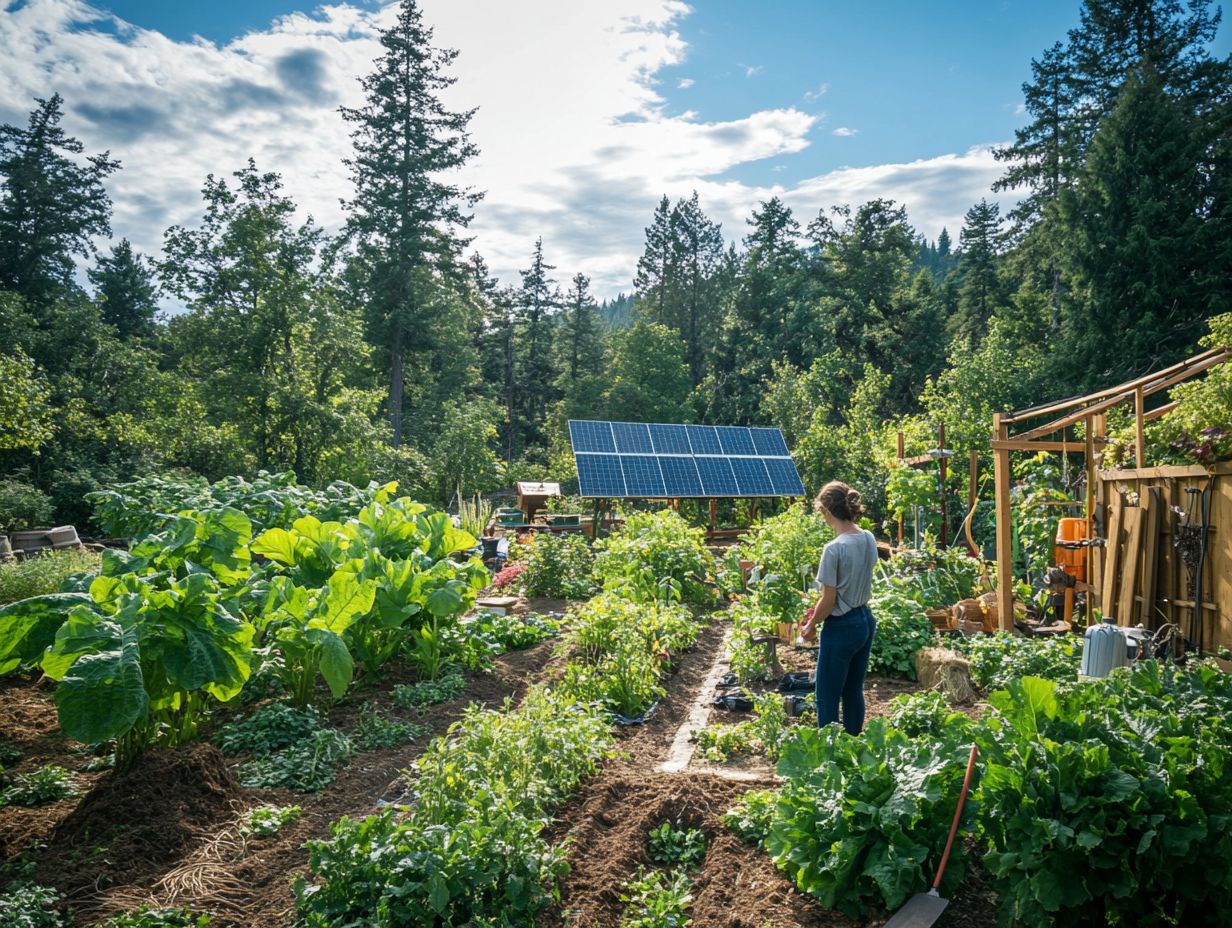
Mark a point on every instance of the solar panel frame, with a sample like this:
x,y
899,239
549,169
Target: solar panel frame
x,y
635,460
600,475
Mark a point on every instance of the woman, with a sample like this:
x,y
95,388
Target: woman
x,y
846,578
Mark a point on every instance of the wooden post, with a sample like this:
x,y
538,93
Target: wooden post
x,y
1140,438
1005,556
945,531
900,464
973,492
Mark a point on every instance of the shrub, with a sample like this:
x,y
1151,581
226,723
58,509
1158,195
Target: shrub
x,y
23,507
47,573
559,566
655,554
788,545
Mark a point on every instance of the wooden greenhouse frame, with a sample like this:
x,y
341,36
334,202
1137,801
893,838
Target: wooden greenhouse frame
x,y
1124,576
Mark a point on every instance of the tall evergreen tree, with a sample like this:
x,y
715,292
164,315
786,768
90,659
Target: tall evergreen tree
x,y
697,250
127,291
583,374
655,277
403,217
535,368
1140,250
979,294
51,205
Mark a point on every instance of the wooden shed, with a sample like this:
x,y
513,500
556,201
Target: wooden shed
x,y
1140,575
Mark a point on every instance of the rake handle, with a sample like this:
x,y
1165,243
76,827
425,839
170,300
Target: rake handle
x,y
962,799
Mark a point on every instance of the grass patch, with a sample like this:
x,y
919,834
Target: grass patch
x,y
44,574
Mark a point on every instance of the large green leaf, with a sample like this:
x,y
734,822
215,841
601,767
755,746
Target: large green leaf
x,y
445,601
277,544
336,665
103,694
346,598
29,626
84,632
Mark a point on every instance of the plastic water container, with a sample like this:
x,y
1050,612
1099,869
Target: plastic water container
x,y
1104,650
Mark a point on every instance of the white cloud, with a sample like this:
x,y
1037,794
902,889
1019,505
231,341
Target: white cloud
x,y
685,83
812,96
576,143
844,132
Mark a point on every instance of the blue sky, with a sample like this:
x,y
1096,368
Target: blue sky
x,y
588,111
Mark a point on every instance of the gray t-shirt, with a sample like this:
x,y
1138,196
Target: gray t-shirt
x,y
847,564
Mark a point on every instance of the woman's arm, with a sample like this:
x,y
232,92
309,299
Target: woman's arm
x,y
821,612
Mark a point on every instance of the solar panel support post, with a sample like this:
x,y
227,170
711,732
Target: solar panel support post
x,y
945,532
901,455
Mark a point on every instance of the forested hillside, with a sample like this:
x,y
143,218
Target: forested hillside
x,y
388,351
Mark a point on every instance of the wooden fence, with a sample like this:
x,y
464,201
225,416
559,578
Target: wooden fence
x,y
1141,576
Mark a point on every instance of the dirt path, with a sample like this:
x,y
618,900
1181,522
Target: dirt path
x,y
660,779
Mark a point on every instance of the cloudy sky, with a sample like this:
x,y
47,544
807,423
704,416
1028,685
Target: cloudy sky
x,y
589,110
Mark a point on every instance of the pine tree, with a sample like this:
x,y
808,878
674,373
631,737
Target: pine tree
x,y
535,369
979,294
403,217
583,375
655,277
51,205
697,255
1141,249
127,291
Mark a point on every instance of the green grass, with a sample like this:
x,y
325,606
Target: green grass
x,y
44,574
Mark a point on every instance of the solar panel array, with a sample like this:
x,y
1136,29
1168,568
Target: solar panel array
x,y
634,459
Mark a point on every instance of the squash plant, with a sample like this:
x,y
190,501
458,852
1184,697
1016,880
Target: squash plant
x,y
137,663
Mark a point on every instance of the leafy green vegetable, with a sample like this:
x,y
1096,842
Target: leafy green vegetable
x,y
657,899
429,692
267,729
307,766
1109,802
375,731
675,845
861,821
265,821
49,783
472,852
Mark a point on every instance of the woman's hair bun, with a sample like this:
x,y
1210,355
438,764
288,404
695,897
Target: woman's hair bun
x,y
841,501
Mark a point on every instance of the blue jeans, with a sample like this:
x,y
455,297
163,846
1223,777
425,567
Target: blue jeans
x,y
842,661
